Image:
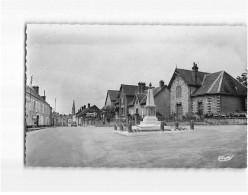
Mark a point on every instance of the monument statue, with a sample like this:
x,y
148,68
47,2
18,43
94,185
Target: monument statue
x,y
150,121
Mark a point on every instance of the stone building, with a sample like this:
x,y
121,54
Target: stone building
x,y
219,93
193,91
38,111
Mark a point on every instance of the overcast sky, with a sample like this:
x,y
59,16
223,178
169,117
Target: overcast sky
x,y
82,62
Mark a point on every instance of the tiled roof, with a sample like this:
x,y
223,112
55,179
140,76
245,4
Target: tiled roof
x,y
143,101
129,89
113,94
129,99
187,76
220,83
156,90
140,96
35,94
90,109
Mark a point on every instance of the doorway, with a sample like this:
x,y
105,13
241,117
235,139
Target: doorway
x,y
179,109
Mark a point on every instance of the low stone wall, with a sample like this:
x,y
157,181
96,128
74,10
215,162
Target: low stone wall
x,y
226,121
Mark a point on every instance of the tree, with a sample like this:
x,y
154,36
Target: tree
x,y
108,111
243,78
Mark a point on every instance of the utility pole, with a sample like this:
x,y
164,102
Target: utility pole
x,y
55,104
31,82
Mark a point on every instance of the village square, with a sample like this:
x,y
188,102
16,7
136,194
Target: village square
x,y
196,120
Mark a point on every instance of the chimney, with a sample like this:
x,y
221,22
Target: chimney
x,y
44,97
141,87
36,88
161,83
88,105
194,72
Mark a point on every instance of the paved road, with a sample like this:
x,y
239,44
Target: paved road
x,y
100,147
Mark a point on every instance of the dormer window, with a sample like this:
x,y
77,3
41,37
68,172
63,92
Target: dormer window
x,y
178,92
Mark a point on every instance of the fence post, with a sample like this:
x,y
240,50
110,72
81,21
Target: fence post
x,y
162,126
191,125
136,119
121,127
176,124
129,127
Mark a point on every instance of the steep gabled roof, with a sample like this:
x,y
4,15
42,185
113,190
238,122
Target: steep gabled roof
x,y
90,109
220,83
143,101
129,90
187,77
113,95
139,97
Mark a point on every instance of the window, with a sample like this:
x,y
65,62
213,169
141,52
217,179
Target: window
x,y
178,92
209,104
122,100
200,108
137,110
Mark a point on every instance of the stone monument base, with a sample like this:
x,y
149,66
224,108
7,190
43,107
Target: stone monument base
x,y
151,123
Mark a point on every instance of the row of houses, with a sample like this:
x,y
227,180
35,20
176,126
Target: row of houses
x,y
189,91
39,113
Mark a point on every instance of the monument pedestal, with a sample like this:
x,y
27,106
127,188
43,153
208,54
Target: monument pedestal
x,y
150,121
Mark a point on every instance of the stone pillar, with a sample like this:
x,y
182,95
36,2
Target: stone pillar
x,y
136,119
191,125
129,128
176,124
121,127
162,126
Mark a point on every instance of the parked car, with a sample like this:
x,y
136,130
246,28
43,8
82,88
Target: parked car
x,y
74,124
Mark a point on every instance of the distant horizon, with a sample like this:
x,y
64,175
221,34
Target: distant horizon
x,y
83,62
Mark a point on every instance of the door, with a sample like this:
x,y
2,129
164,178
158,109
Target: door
x,y
37,121
179,109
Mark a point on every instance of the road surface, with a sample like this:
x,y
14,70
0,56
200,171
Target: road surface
x,y
100,147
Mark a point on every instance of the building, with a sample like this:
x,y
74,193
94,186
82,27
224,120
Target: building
x,y
193,91
161,99
111,107
38,111
88,116
126,96
111,97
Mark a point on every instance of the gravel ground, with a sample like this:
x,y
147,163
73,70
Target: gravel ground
x,y
101,147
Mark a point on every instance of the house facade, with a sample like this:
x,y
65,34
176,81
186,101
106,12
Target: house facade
x,y
38,111
219,93
161,100
193,91
126,96
88,116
